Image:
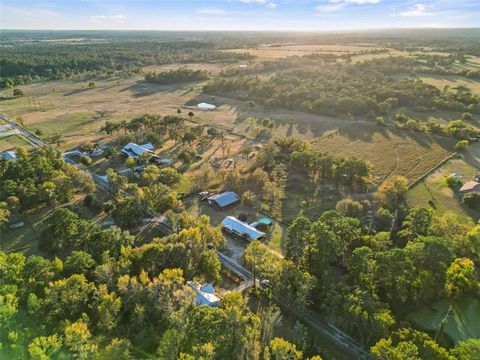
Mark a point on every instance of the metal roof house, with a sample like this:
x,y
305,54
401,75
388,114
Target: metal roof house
x,y
206,106
244,230
8,155
224,199
134,150
470,186
205,294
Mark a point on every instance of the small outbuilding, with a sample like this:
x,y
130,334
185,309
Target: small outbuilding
x,y
206,106
8,155
244,230
224,199
134,150
205,294
470,186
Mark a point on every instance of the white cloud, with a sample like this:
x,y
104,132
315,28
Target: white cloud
x,y
101,19
253,1
211,11
330,8
271,5
356,2
416,10
335,5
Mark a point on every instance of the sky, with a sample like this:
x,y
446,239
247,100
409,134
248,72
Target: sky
x,y
298,15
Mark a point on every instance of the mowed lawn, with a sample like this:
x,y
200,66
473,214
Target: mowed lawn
x,y
463,322
390,151
434,189
13,141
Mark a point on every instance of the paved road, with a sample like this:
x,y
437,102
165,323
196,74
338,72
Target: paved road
x,y
309,317
32,137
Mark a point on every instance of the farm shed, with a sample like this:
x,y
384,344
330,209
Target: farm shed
x,y
470,186
206,106
244,230
205,294
224,199
134,150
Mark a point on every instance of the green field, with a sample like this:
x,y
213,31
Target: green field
x,y
462,324
13,141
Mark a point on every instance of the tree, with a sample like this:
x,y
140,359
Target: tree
x,y
169,176
391,193
251,104
409,344
461,145
210,266
4,213
130,163
150,174
248,199
417,223
77,339
467,350
280,349
161,198
86,160
350,208
128,211
45,347
461,278
68,298
92,85
472,200
78,262
190,115
17,92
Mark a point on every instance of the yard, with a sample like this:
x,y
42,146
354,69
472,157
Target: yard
x,y
463,322
13,141
434,189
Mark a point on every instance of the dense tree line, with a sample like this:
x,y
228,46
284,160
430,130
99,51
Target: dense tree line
x,y
366,273
41,178
109,300
23,63
177,76
335,89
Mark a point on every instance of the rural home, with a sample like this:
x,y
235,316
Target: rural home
x,y
469,186
244,230
205,294
134,150
224,199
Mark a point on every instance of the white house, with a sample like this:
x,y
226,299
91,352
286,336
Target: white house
x,y
134,150
205,294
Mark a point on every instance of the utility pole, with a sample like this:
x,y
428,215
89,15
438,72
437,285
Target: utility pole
x,y
443,322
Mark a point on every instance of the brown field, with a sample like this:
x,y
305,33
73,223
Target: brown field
x,y
390,151
440,81
276,52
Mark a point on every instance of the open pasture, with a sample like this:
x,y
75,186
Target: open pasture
x,y
390,151
270,52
